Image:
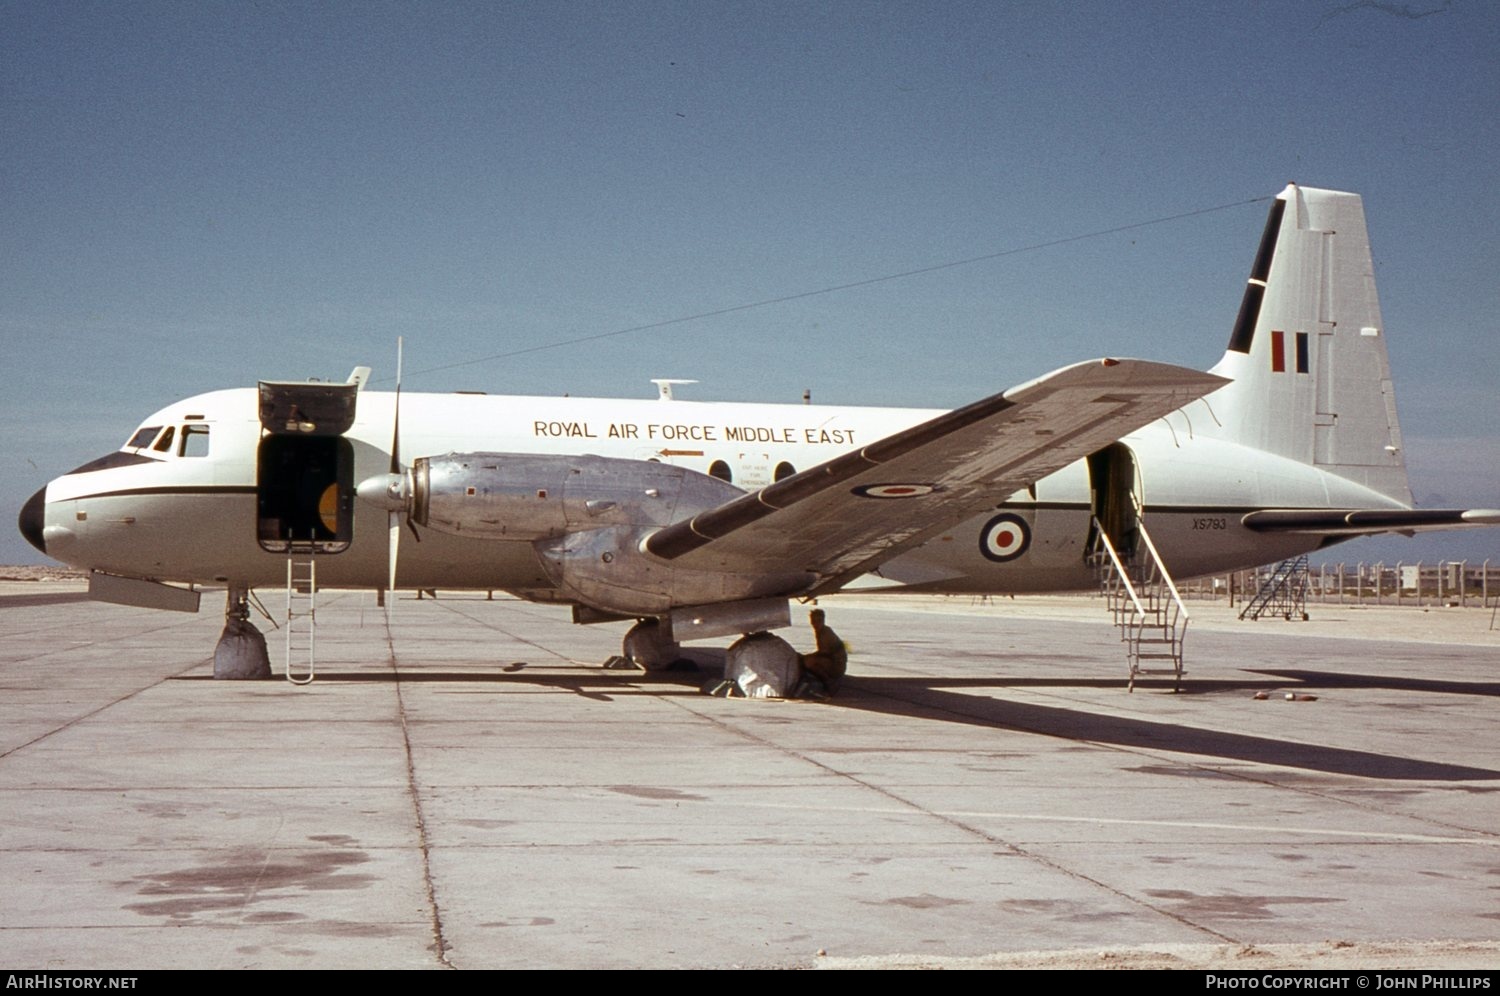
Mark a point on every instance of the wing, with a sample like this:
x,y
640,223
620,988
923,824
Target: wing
x,y
1366,522
842,517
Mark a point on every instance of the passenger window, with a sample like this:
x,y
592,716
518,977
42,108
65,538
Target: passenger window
x,y
194,441
164,444
143,437
784,470
720,469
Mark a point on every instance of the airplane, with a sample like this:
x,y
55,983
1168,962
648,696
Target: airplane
x,y
698,520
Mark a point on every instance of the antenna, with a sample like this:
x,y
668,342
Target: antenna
x,y
664,386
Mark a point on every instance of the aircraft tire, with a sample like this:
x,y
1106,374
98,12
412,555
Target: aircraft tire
x,y
647,646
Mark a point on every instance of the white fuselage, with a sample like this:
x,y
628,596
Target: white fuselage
x,y
173,516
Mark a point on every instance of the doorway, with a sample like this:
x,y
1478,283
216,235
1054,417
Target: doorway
x,y
1114,496
304,493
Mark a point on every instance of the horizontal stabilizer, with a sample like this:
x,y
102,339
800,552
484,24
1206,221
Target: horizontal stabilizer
x,y
1364,522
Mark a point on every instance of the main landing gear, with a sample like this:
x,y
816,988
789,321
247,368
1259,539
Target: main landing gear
x,y
648,646
757,665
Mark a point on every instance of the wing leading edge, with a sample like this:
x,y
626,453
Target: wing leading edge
x,y
842,517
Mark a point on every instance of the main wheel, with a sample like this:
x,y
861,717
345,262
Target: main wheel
x,y
647,646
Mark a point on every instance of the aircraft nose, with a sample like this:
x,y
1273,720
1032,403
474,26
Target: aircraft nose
x,y
33,518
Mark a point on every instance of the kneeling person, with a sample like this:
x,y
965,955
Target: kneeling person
x,y
830,660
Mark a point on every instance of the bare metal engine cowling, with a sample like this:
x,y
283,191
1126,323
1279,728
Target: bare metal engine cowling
x,y
527,496
586,516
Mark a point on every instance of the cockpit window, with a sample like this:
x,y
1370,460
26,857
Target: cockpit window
x,y
164,444
194,441
143,437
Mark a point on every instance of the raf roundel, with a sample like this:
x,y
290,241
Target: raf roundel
x,y
1005,537
894,490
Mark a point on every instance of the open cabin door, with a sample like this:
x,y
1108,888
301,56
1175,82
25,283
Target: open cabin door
x,y
305,468
1114,494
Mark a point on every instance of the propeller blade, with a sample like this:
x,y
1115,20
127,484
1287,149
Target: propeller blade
x,y
396,417
395,548
396,468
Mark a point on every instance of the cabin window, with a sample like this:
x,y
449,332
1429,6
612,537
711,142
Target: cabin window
x,y
164,444
194,441
783,471
720,469
143,437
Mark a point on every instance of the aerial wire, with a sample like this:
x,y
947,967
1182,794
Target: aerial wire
x,y
867,282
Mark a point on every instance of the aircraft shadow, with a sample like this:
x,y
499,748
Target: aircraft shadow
x,y
916,697
1276,679
1399,683
49,598
937,699
596,678
590,682
1190,685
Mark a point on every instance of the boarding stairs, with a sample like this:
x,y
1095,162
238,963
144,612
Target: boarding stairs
x,y
1144,603
1283,592
301,616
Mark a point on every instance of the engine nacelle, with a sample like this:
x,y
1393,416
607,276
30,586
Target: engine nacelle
x,y
586,517
526,496
610,569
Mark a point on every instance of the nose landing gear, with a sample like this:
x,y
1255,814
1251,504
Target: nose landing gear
x,y
241,653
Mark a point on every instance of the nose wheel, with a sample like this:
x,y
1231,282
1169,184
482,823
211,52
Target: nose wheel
x,y
241,653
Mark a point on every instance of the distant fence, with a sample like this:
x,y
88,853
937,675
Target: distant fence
x,y
1449,582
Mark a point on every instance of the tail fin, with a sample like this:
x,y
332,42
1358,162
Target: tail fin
x,y
1312,381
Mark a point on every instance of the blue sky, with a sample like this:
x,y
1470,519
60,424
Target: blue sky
x,y
202,195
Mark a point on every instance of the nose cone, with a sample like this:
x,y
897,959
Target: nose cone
x,y
33,518
386,490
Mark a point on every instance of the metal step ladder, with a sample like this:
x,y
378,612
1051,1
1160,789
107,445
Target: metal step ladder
x,y
301,616
1282,593
1145,605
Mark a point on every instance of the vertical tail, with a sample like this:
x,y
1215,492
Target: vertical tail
x,y
1312,381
